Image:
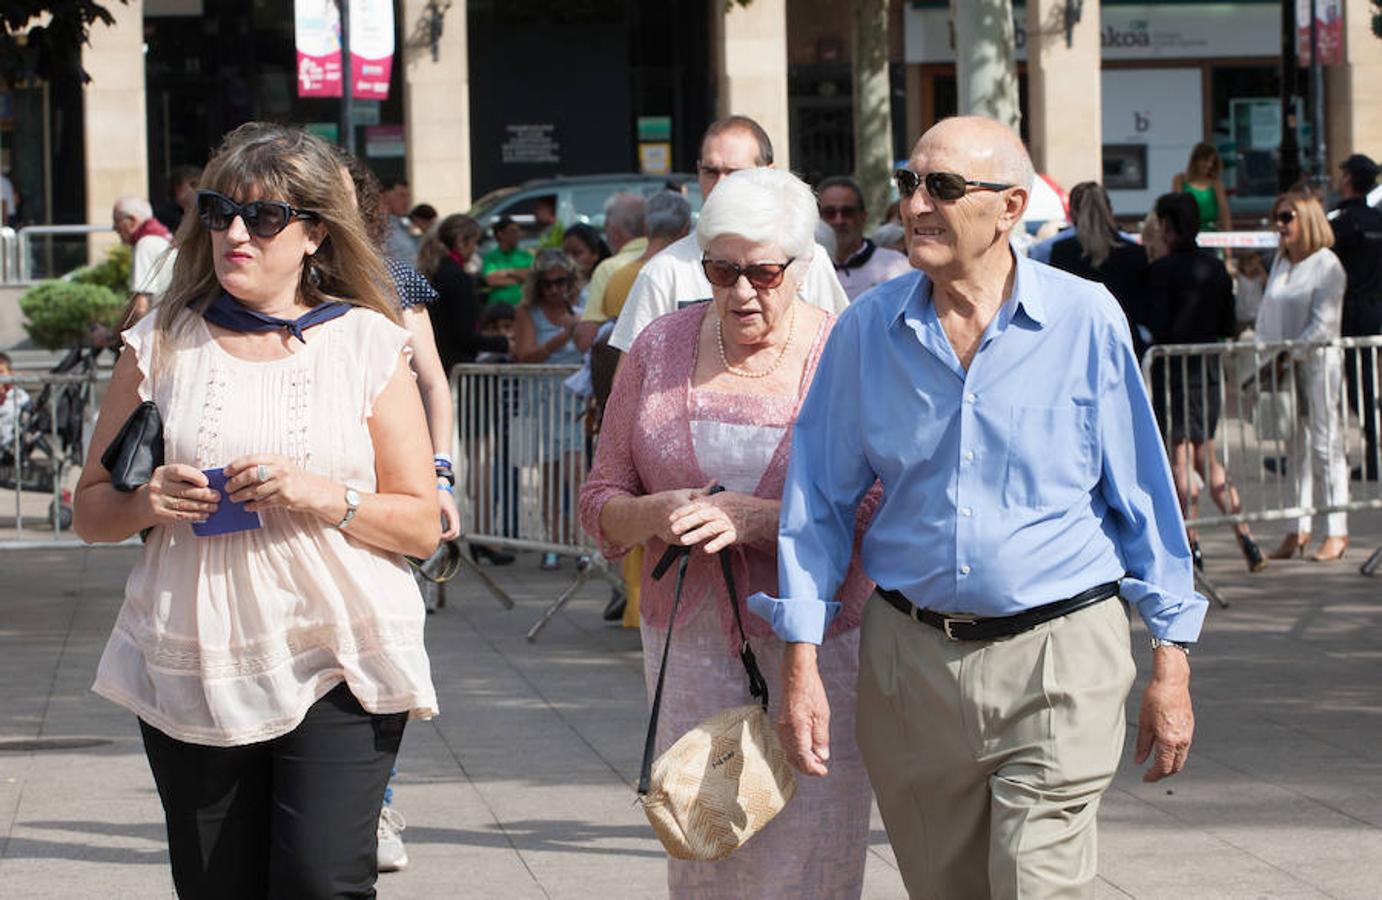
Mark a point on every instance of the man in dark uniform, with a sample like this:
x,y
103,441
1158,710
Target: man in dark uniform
x,y
1358,244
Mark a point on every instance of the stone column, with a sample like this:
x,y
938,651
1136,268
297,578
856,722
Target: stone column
x,y
750,48
1064,126
873,120
436,107
1354,117
114,118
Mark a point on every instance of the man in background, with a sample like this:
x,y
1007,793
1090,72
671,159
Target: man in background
x,y
400,243
503,268
674,277
151,256
625,232
859,262
182,197
1358,244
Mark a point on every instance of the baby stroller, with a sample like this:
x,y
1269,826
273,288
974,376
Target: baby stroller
x,y
50,431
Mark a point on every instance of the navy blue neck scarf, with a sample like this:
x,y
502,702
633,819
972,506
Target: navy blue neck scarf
x,y
228,312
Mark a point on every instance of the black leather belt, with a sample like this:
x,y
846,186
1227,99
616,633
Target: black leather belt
x,y
971,628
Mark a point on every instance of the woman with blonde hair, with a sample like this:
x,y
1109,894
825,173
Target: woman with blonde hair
x,y
1203,180
270,640
1304,301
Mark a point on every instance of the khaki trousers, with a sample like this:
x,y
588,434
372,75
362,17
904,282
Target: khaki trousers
x,y
988,759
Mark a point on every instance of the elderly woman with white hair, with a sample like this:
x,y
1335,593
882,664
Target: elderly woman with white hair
x,y
708,396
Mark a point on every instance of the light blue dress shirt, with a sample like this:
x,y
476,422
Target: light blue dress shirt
x,y
1035,475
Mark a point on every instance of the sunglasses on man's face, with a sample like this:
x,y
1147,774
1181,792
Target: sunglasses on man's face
x,y
1285,217
945,186
762,276
548,283
838,212
262,218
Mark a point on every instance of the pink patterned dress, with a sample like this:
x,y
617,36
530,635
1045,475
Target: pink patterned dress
x,y
660,433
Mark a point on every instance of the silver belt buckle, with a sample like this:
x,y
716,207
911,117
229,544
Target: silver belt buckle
x,y
947,621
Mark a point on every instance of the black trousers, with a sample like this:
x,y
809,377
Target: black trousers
x,y
293,817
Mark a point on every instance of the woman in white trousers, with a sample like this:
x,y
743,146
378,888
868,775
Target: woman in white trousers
x,y
1304,301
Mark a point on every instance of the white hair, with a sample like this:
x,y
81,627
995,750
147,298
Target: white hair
x,y
132,205
765,206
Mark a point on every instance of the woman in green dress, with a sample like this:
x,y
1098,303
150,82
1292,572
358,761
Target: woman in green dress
x,y
1203,180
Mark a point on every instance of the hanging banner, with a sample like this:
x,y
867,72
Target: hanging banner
x,y
1329,31
317,33
371,48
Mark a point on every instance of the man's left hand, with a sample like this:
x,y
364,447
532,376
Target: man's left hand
x,y
1166,723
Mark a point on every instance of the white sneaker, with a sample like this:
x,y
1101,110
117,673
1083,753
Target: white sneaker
x,y
393,856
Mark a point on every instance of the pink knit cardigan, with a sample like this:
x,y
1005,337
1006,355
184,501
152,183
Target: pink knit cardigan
x,y
645,447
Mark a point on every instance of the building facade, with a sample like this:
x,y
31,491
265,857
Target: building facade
x,y
492,92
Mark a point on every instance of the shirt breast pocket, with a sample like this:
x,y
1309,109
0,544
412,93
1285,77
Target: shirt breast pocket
x,y
1053,459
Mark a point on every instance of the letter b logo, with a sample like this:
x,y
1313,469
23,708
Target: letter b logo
x,y
1141,122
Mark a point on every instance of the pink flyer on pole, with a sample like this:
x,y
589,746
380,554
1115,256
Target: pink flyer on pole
x,y
317,30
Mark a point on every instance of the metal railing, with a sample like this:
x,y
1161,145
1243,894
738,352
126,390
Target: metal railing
x,y
26,237
521,456
9,255
1271,431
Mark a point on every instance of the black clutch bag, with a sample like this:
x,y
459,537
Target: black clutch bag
x,y
136,450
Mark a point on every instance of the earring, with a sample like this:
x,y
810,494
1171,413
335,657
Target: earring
x,y
314,273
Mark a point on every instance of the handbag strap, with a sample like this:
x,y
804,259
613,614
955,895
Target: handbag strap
x,y
758,687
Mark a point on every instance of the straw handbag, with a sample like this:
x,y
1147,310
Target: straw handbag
x,y
726,778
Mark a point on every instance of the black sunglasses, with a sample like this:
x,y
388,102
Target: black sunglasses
x,y
945,186
762,276
1285,217
263,218
831,212
563,281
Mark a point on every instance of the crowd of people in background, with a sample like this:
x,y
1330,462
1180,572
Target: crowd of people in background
x,y
715,327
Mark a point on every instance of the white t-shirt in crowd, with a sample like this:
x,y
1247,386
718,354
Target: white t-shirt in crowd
x,y
151,265
674,278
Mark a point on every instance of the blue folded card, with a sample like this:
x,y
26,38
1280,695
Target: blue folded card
x,y
228,517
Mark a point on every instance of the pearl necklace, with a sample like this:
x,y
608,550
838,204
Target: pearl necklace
x,y
749,373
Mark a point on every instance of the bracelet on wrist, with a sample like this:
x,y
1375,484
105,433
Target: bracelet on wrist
x,y
443,486
446,475
443,461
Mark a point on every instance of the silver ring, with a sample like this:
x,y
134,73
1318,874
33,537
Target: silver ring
x,y
263,472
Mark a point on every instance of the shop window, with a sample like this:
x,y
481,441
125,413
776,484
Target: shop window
x,y
1246,121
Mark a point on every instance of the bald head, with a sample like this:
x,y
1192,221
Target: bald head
x,y
994,150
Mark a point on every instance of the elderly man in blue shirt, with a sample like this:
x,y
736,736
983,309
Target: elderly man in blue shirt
x,y
1025,487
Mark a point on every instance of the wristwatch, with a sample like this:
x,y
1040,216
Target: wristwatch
x,y
1183,648
352,499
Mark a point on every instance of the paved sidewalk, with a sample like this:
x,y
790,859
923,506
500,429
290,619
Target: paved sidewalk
x,y
523,787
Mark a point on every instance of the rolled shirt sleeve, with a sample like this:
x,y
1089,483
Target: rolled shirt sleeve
x,y
827,476
1143,511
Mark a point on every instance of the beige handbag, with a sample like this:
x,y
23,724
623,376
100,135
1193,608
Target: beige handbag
x,y
726,778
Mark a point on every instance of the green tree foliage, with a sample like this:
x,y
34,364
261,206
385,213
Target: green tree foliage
x,y
48,50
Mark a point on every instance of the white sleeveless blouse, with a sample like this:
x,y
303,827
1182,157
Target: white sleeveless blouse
x,y
228,640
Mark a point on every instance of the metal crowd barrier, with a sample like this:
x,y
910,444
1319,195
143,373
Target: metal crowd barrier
x,y
25,269
1250,407
42,445
9,255
521,457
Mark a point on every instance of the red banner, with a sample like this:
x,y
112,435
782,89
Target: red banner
x,y
317,32
371,48
1329,32
317,29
